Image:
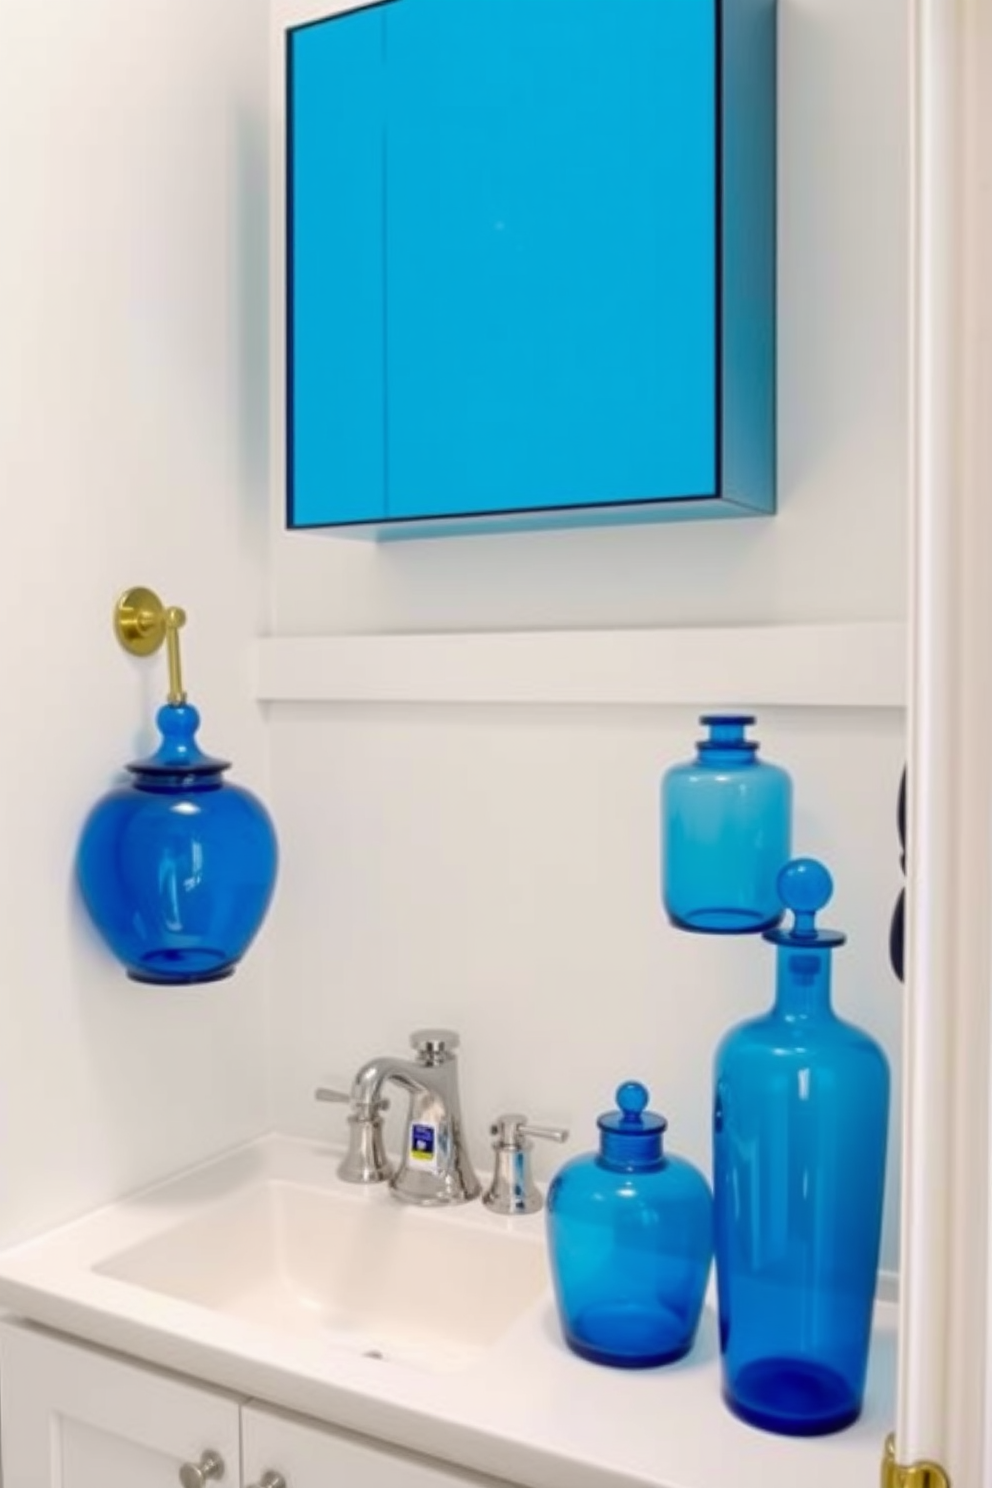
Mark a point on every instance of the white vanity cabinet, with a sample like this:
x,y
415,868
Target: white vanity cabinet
x,y
309,1456
73,1417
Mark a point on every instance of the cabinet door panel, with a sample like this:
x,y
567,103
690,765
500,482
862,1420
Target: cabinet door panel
x,y
76,1418
87,1457
310,1456
550,253
336,392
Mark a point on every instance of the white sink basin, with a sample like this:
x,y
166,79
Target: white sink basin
x,y
361,1270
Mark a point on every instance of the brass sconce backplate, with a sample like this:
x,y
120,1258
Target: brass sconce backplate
x,y
139,621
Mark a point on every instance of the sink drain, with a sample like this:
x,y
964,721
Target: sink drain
x,y
373,1354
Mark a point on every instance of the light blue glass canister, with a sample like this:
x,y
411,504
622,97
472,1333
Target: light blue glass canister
x,y
726,833
800,1123
630,1231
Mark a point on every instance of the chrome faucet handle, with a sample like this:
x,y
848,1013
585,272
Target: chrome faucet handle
x,y
365,1160
343,1098
512,1190
325,1093
433,1044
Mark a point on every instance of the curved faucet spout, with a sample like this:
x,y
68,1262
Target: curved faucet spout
x,y
367,1086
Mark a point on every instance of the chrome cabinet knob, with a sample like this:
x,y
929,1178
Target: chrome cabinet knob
x,y
269,1480
210,1468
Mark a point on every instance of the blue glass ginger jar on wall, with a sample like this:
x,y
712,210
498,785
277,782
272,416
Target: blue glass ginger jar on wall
x,y
726,832
177,867
630,1234
800,1124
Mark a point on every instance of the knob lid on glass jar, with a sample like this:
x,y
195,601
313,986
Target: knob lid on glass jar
x,y
630,1238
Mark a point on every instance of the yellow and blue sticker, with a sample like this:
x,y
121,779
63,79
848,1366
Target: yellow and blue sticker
x,y
423,1145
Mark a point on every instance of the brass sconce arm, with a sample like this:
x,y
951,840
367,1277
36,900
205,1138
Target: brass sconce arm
x,y
142,622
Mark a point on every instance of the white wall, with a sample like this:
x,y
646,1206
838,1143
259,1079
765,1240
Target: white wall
x,y
497,869
133,204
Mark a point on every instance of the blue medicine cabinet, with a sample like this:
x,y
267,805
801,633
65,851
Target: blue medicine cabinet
x,y
531,263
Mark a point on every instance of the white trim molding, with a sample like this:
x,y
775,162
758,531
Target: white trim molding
x,y
944,1351
806,666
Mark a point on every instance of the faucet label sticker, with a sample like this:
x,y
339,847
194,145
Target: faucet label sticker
x,y
423,1146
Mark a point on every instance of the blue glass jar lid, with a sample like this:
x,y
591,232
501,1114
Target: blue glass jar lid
x,y
632,1134
805,886
178,752
727,732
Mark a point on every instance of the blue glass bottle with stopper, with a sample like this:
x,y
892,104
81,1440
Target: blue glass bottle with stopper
x,y
176,868
726,833
800,1126
630,1235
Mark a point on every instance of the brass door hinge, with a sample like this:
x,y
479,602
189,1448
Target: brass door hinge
x,y
920,1475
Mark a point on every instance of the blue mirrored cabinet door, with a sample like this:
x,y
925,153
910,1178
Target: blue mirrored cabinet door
x,y
551,239
335,250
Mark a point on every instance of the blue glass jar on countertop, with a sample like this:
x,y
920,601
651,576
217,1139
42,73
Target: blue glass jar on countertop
x,y
630,1234
800,1125
177,867
726,833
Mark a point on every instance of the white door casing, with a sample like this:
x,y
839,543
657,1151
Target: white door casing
x,y
944,1355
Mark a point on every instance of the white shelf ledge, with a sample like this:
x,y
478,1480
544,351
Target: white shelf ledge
x,y
805,666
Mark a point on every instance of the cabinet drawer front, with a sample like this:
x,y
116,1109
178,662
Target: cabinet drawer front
x,y
551,193
310,1456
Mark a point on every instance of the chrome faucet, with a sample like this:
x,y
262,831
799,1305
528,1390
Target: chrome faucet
x,y
435,1167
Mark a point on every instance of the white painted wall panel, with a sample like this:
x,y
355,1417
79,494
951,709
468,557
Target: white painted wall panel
x,y
497,868
133,410
497,872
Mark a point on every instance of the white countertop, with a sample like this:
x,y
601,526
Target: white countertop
x,y
525,1409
